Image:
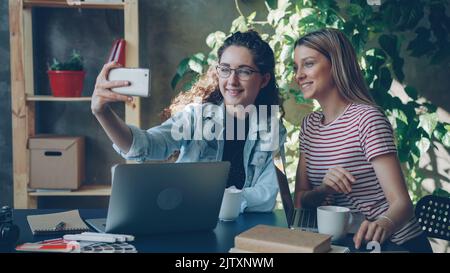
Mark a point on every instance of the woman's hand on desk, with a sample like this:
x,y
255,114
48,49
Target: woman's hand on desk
x,y
102,94
338,180
378,230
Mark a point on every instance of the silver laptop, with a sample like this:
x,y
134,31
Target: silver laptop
x,y
304,219
164,197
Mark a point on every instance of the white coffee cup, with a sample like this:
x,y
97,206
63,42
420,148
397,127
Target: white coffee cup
x,y
231,204
334,221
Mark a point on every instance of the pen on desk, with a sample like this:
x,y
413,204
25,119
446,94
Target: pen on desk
x,y
60,226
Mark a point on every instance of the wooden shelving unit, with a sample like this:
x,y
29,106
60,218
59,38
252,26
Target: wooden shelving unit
x,y
23,98
51,98
71,4
87,190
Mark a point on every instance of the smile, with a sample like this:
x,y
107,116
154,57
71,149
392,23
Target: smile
x,y
305,85
234,92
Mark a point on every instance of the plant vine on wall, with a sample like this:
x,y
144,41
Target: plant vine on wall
x,y
378,33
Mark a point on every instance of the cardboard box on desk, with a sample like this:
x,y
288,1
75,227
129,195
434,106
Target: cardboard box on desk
x,y
57,162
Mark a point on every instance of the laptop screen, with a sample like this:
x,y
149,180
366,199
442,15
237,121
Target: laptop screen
x,y
286,197
306,218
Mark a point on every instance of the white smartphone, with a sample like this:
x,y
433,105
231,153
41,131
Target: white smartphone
x,y
139,79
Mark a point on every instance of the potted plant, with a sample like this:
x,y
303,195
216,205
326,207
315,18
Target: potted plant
x,y
66,78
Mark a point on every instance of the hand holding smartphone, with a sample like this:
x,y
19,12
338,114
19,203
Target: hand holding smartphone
x,y
139,79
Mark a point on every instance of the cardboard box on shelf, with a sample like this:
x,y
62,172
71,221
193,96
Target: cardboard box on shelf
x,y
57,162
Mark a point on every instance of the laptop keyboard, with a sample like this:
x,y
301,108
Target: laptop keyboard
x,y
307,220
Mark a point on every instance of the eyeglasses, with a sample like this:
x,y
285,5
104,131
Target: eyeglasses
x,y
243,73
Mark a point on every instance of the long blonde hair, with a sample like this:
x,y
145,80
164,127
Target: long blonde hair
x,y
345,69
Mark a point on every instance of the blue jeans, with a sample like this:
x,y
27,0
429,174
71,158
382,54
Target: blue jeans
x,y
419,244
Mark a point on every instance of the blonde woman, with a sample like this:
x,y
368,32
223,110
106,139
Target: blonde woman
x,y
347,152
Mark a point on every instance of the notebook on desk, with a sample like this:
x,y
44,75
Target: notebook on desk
x,y
57,223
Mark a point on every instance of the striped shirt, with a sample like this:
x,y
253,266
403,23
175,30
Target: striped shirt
x,y
351,141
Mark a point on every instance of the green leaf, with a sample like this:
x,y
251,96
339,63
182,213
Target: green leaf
x,y
441,192
431,108
402,127
56,65
214,39
286,52
390,14
398,68
411,14
196,65
389,44
358,42
212,58
410,111
353,9
428,122
439,131
412,92
308,20
446,140
441,56
272,3
275,16
181,71
251,16
75,63
239,24
183,66
403,154
415,152
423,145
175,81
401,115
421,45
289,39
385,79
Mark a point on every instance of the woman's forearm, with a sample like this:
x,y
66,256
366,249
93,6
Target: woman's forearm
x,y
312,198
116,129
399,213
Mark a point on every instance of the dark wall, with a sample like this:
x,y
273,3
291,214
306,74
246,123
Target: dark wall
x,y
56,33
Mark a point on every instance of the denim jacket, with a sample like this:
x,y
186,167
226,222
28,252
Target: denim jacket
x,y
158,143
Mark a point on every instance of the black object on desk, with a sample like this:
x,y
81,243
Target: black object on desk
x,y
60,226
9,232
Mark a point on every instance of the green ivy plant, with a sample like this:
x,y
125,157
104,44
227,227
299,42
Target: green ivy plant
x,y
378,33
75,63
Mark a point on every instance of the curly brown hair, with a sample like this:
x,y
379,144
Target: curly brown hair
x,y
203,89
207,87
